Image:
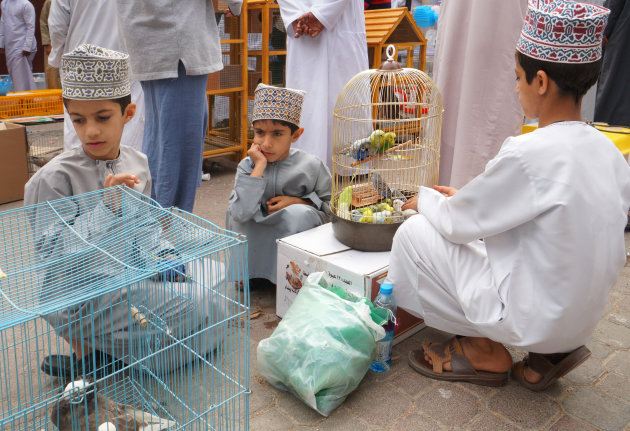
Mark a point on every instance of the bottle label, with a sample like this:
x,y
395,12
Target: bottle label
x,y
383,351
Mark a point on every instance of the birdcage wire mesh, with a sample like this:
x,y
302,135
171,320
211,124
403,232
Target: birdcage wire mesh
x,y
386,142
155,302
45,141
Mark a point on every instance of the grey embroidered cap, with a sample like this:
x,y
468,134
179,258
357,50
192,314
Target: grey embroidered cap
x,y
275,103
90,72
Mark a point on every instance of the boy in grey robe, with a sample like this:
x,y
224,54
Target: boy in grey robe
x,y
278,190
97,94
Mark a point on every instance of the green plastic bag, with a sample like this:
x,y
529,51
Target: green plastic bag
x,y
323,347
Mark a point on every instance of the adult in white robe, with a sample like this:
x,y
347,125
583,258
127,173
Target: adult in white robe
x,y
74,22
300,175
322,65
17,39
550,208
474,70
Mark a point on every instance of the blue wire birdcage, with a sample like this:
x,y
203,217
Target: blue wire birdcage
x,y
154,303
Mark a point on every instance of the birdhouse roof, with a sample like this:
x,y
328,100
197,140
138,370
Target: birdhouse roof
x,y
385,26
259,2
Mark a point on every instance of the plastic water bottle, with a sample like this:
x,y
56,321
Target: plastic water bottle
x,y
383,359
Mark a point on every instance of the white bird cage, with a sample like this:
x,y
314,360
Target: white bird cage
x,y
386,138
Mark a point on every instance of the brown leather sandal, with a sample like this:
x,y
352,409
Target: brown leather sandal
x,y
451,351
551,366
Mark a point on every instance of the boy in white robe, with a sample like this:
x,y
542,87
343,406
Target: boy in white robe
x,y
526,253
97,94
278,190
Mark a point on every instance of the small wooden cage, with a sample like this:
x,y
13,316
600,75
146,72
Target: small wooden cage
x,y
267,44
386,144
227,89
397,27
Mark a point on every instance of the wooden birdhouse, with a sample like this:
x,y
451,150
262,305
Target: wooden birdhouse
x,y
396,27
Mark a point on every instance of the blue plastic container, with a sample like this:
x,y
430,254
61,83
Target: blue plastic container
x,y
425,16
5,85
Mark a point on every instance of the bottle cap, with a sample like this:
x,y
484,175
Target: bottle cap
x,y
386,288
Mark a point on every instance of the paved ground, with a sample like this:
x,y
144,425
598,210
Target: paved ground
x,y
595,396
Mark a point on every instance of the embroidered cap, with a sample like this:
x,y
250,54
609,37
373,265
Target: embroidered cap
x,y
275,103
94,73
562,31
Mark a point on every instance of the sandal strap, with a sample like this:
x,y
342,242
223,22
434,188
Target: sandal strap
x,y
538,362
542,363
448,351
439,353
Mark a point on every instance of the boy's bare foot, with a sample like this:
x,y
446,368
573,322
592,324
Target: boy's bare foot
x,y
483,354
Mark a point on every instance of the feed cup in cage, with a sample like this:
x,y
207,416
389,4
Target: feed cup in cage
x,y
386,144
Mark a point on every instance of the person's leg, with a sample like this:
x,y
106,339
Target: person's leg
x,y
150,137
176,120
134,129
20,71
429,275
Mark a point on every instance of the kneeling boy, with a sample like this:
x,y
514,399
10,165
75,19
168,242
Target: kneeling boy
x,y
96,93
551,209
278,190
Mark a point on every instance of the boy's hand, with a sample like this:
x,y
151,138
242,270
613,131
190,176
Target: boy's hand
x,y
257,156
411,203
128,180
448,191
279,202
113,200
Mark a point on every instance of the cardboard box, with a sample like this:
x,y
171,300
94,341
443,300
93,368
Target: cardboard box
x,y
228,77
13,162
358,272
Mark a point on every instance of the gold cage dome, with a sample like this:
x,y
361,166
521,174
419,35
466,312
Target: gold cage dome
x,y
386,144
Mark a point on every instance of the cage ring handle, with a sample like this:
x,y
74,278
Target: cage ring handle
x,y
390,51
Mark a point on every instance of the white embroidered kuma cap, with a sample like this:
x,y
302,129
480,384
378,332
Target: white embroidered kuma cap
x,y
275,103
90,72
562,31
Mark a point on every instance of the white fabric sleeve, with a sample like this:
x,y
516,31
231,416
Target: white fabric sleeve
x,y
329,12
28,13
58,24
501,198
245,200
235,6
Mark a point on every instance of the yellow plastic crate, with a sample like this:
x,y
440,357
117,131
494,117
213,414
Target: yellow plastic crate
x,y
31,104
619,135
